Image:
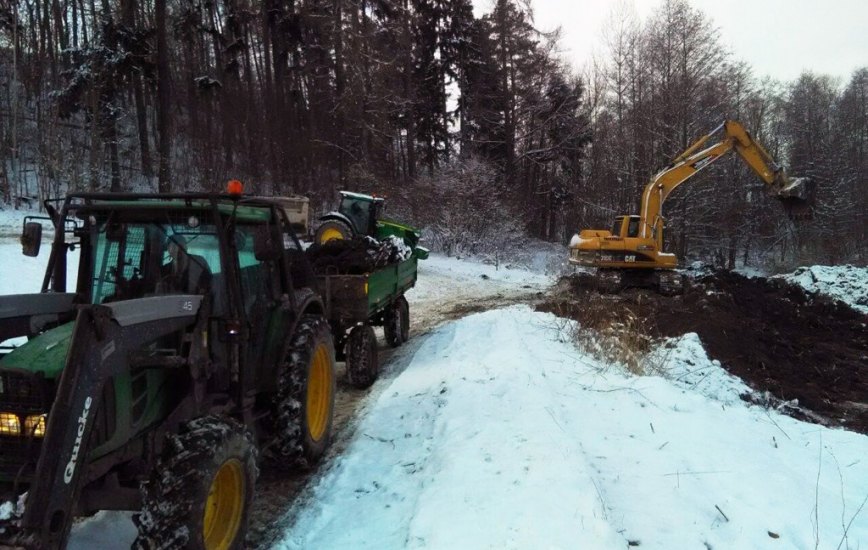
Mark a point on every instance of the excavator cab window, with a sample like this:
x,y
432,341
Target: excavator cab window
x,y
616,227
633,227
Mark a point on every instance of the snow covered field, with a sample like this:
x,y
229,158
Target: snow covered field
x,y
500,434
842,282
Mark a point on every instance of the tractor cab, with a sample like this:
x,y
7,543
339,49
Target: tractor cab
x,y
357,215
363,211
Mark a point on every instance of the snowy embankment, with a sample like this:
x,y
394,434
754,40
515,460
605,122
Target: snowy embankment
x,y
841,282
499,434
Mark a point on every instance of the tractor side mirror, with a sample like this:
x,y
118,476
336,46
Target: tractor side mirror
x,y
31,239
264,245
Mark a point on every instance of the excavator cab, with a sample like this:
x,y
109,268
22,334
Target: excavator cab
x,y
626,227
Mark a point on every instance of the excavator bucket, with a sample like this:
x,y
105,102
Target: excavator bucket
x,y
797,196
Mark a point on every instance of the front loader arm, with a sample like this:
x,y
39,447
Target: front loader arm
x,y
28,314
103,337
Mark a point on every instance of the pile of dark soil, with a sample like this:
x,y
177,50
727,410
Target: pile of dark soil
x,y
768,332
355,256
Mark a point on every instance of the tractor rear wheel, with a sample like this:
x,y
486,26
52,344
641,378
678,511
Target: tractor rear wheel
x,y
305,403
362,360
200,493
331,230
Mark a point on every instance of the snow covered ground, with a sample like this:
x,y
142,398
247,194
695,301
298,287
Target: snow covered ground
x,y
499,434
11,220
842,282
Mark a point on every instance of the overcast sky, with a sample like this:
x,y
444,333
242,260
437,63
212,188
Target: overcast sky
x,y
778,38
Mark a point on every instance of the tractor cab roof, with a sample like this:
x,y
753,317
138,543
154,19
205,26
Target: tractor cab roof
x,y
245,208
361,197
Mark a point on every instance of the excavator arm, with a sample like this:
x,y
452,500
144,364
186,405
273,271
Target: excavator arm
x,y
793,192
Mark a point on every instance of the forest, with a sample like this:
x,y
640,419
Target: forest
x,y
475,127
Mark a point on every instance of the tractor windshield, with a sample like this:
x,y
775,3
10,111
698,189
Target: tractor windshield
x,y
137,259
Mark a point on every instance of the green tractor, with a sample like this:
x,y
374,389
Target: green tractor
x,y
360,215
194,342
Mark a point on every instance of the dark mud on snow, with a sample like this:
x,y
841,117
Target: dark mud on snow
x,y
771,334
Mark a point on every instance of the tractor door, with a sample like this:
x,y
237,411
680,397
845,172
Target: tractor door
x,y
264,293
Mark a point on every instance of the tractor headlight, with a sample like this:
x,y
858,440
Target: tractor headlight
x,y
35,425
10,424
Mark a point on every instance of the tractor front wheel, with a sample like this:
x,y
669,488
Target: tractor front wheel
x,y
305,403
200,493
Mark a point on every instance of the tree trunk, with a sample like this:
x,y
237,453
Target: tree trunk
x,y
164,184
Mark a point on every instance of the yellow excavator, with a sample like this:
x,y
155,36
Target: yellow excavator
x,y
631,254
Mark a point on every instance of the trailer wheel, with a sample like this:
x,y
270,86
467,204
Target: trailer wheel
x,y
331,230
199,494
396,322
392,323
362,360
305,402
404,307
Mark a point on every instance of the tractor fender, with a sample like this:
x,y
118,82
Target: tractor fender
x,y
335,215
307,302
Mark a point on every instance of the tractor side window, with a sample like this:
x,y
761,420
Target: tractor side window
x,y
106,259
118,269
190,259
256,275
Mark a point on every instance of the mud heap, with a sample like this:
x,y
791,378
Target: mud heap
x,y
768,332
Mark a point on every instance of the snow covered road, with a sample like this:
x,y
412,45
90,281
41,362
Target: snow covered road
x,y
500,435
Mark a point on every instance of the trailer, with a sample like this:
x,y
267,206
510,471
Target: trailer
x,y
355,304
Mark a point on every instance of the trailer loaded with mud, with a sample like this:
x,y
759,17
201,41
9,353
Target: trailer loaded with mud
x,y
198,341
